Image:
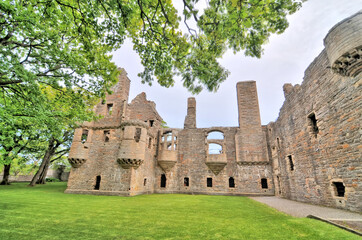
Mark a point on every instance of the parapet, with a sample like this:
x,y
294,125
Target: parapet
x,y
343,45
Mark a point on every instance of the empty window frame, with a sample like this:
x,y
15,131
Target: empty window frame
x,y
209,182
109,108
264,183
106,134
151,123
339,189
291,163
149,142
215,135
137,135
186,182
215,148
144,182
313,124
231,182
98,183
84,135
163,180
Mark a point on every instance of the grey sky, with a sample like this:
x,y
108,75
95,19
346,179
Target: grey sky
x,y
285,59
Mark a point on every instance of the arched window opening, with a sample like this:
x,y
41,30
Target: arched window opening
x,y
215,148
215,135
231,182
163,180
167,137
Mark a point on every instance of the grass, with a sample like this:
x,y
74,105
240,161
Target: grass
x,y
45,212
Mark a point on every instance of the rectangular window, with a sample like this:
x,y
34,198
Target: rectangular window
x,y
313,124
291,163
106,134
151,123
339,189
209,182
109,108
186,182
163,180
264,183
98,183
144,182
137,135
84,135
231,182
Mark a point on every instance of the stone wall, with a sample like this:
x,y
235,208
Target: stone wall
x,y
315,143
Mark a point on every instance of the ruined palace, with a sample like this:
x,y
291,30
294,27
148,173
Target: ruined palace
x,y
311,153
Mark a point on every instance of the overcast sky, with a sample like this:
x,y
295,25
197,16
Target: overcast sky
x,y
285,59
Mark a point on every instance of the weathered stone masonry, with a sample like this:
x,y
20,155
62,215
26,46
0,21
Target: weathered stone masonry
x,y
316,141
312,153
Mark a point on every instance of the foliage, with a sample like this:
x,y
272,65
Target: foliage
x,y
67,42
45,212
52,179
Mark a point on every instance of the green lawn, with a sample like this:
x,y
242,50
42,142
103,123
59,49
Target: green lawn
x,y
45,212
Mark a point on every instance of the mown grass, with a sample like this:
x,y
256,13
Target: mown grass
x,y
45,212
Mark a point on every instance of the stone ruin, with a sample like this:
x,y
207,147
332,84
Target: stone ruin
x,y
312,153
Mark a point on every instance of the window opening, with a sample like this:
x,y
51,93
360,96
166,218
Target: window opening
x,y
209,182
339,189
215,135
291,163
186,182
98,183
280,191
106,135
151,123
84,135
137,135
231,182
149,142
215,148
144,182
163,180
264,183
313,124
278,143
109,108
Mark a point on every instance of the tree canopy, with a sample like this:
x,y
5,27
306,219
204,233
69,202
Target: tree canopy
x,y
69,42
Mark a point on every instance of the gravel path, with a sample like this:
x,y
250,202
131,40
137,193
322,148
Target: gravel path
x,y
298,209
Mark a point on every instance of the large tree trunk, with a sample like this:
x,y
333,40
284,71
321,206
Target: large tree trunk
x,y
6,175
45,163
44,172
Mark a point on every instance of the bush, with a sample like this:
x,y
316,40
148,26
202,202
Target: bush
x,y
52,179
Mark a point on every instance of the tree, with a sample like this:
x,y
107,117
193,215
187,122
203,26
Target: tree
x,y
66,109
69,42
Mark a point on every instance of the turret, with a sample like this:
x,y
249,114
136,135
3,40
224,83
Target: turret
x,y
133,145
